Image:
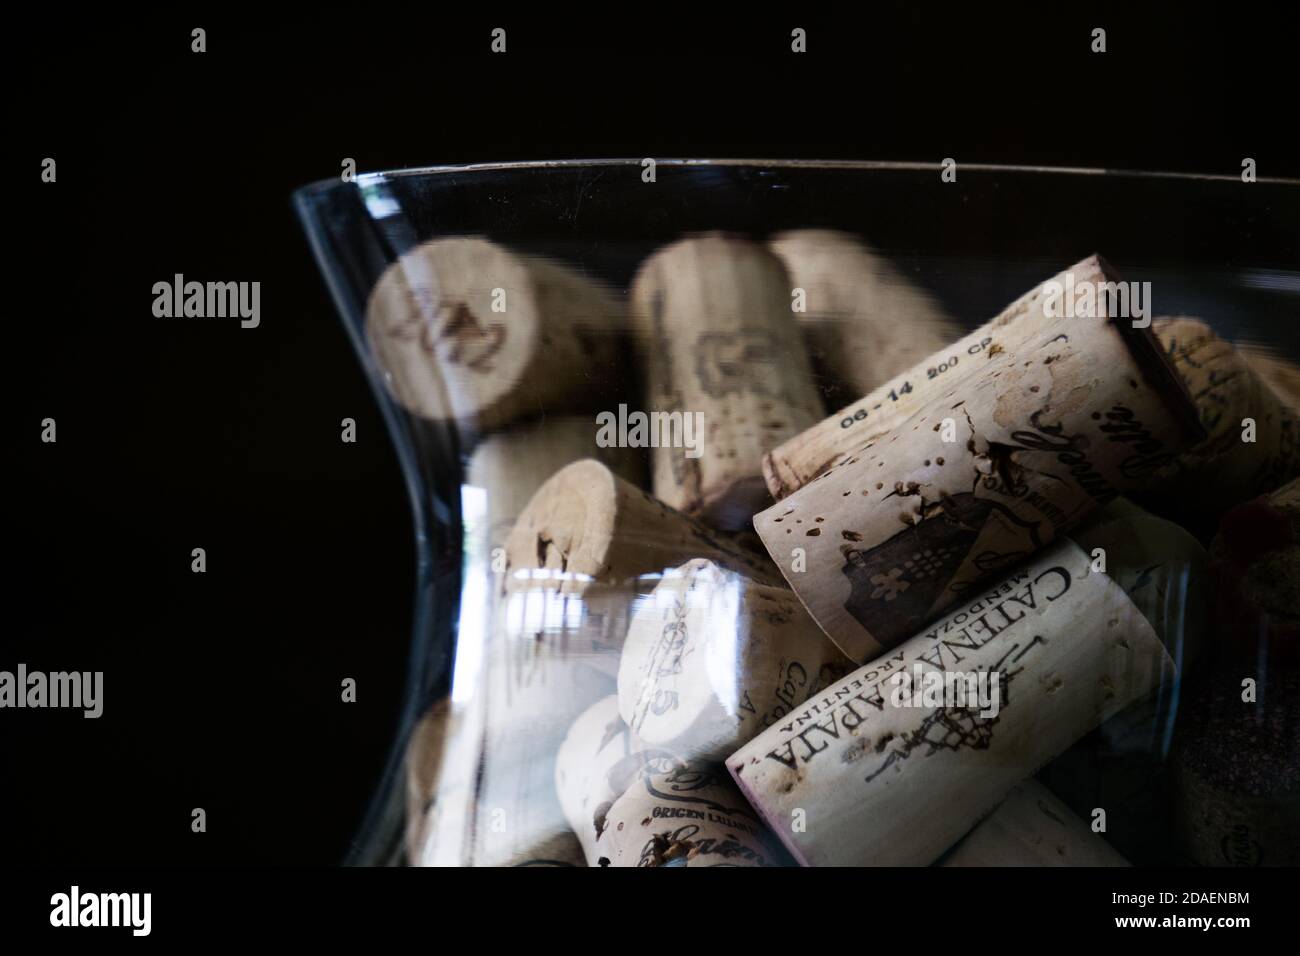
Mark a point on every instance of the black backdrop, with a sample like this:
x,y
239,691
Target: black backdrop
x,y
222,689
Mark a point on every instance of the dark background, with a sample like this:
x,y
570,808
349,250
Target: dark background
x,y
222,689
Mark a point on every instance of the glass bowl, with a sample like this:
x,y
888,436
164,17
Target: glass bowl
x,y
600,650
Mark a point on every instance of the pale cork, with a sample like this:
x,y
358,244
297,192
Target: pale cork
x,y
510,465
864,321
597,762
988,471
711,317
1225,468
580,553
875,782
808,455
691,816
463,330
712,658
1282,376
1032,827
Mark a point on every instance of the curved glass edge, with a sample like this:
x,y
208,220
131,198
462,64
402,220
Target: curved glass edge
x,y
377,839
325,185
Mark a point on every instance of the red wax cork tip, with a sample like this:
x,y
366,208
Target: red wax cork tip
x,y
1249,530
1257,565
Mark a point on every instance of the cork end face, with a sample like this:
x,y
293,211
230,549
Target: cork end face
x,y
453,328
665,688
774,477
565,531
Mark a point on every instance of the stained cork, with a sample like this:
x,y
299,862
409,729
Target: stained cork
x,y
881,778
598,761
1063,416
712,320
864,321
881,412
1252,442
464,330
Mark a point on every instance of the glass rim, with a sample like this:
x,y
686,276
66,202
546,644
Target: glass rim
x,y
362,179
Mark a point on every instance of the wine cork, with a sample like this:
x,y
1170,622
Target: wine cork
x,y
443,756
573,565
1236,770
863,320
423,758
691,816
712,320
463,330
1234,405
1256,558
1122,766
535,689
1032,827
510,465
588,544
884,410
1281,376
563,849
585,524
987,472
596,764
882,774
712,659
